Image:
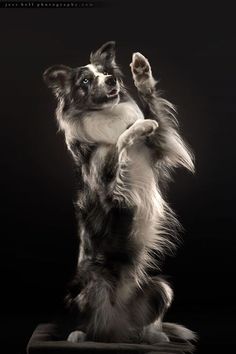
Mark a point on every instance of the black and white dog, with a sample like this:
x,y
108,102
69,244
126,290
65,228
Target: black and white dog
x,y
123,155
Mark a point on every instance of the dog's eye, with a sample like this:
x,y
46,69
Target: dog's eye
x,y
85,81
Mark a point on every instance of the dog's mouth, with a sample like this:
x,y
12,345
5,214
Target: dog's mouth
x,y
113,93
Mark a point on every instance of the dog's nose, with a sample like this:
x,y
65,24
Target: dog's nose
x,y
110,81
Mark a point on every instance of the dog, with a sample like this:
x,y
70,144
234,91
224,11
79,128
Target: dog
x,y
123,153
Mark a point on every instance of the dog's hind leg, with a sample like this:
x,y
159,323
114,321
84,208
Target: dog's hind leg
x,y
151,302
167,142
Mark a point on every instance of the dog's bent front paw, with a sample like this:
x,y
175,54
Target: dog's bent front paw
x,y
142,73
139,130
76,336
144,127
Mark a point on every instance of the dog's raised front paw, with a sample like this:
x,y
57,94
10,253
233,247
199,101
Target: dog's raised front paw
x,y
142,73
140,67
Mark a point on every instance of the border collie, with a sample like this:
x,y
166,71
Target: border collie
x,y
123,154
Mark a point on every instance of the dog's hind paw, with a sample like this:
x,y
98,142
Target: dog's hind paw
x,y
154,337
76,336
142,73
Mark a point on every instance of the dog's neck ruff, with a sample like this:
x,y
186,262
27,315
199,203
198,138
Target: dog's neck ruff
x,y
103,126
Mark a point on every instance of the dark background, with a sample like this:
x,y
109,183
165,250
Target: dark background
x,y
193,52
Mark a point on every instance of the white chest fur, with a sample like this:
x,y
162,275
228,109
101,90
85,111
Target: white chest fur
x,y
107,125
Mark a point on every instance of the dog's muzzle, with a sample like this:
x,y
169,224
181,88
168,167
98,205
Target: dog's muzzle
x,y
111,85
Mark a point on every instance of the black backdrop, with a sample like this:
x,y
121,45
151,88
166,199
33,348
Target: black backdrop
x,y
192,51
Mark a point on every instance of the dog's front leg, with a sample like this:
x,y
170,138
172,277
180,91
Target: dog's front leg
x,y
131,156
168,143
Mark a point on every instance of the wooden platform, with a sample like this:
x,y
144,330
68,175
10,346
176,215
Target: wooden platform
x,y
48,338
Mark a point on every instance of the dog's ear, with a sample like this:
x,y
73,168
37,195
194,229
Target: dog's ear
x,y
57,78
106,53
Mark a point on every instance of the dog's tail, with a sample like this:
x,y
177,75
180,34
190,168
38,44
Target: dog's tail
x,y
174,330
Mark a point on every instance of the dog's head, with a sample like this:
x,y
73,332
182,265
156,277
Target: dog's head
x,y
94,86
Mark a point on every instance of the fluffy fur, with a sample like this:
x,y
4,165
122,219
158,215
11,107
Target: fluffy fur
x,y
123,155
